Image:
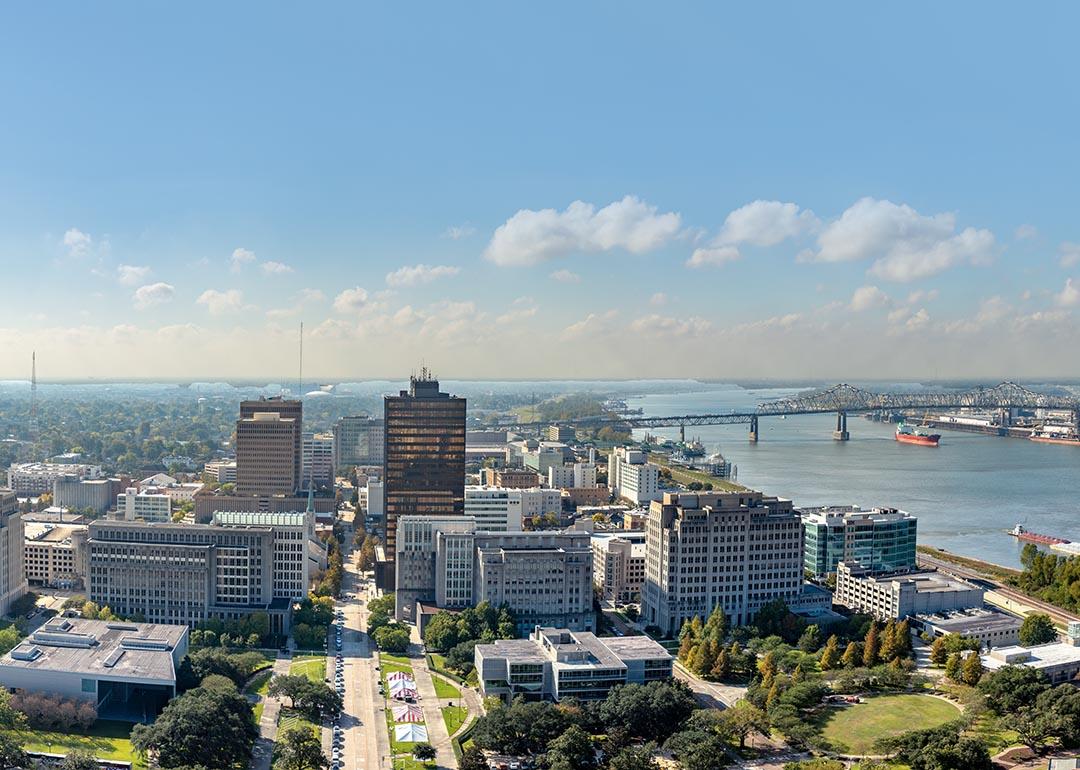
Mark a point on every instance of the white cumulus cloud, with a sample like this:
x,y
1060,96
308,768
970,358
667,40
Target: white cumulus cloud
x,y
904,244
1070,254
275,268
530,236
241,257
77,242
713,256
153,294
412,275
457,232
131,275
766,223
867,297
351,300
566,276
1070,295
222,302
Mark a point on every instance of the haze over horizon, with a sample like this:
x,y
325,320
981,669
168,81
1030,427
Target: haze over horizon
x,y
836,192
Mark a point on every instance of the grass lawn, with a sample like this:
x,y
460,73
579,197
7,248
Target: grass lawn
x,y
107,739
454,717
259,684
257,711
396,746
288,719
400,659
445,689
411,763
853,729
311,666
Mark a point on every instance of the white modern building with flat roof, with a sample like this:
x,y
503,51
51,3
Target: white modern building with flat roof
x,y
54,555
1060,661
575,476
149,505
114,665
556,663
298,553
902,595
499,509
619,564
632,477
33,479
317,459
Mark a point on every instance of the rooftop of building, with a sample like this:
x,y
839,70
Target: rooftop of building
x,y
44,532
514,650
636,648
1039,656
54,514
840,514
51,467
925,582
261,518
971,621
100,648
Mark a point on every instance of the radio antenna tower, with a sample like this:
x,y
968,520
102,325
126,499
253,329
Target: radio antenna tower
x,y
300,382
33,397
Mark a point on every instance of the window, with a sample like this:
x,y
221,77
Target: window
x,y
89,685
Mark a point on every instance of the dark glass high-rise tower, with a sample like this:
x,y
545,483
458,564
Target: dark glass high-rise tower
x,y
424,466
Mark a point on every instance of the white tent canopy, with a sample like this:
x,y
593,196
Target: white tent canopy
x,y
410,733
394,676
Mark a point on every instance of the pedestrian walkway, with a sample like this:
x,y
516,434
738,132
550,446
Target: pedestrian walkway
x,y
268,724
429,701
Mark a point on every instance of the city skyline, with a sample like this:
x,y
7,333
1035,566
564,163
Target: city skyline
x,y
751,195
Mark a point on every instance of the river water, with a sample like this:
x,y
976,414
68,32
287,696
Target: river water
x,y
966,492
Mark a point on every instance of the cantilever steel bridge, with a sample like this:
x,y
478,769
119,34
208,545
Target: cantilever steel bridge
x,y
843,398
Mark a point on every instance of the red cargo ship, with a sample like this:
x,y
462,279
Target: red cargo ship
x,y
909,435
1034,537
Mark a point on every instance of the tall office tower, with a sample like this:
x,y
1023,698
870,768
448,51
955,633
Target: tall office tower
x,y
286,409
265,460
12,572
358,441
424,469
318,460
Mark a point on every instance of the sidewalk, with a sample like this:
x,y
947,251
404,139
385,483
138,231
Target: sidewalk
x,y
268,724
430,703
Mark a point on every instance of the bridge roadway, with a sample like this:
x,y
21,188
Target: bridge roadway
x,y
843,399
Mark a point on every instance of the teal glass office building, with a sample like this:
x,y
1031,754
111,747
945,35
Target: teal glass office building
x,y
880,539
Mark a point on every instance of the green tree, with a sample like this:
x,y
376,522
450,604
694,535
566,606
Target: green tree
x,y
953,665
744,719
299,749
442,632
202,726
392,638
939,651
11,751
472,758
423,751
972,670
1011,688
79,759
810,641
722,665
852,656
573,750
830,656
635,758
871,647
1037,629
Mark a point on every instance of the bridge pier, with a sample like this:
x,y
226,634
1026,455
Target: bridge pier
x,y
841,432
753,430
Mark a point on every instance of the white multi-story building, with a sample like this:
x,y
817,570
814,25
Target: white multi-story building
x,y
54,555
544,577
298,553
632,476
221,471
560,663
497,509
372,499
739,550
619,564
12,572
149,505
359,441
576,476
317,459
33,479
902,595
537,456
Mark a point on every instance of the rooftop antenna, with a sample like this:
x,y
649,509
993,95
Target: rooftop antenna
x,y
33,397
300,382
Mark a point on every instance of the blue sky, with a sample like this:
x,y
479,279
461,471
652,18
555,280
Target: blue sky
x,y
181,185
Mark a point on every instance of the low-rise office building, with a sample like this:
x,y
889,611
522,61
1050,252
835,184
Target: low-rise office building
x,y
148,505
1060,661
879,539
575,476
619,564
903,595
221,471
739,550
34,479
632,477
509,478
990,627
54,555
79,494
122,668
555,663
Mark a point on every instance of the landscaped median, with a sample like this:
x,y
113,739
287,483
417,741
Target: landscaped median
x,y
401,751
